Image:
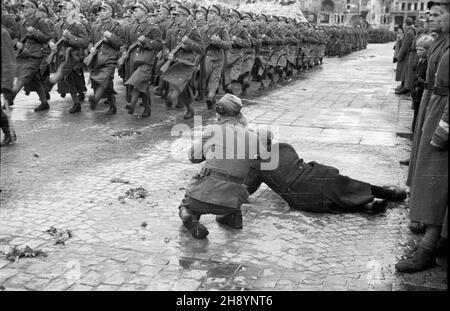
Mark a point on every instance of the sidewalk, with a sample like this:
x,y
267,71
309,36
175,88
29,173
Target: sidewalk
x,y
344,114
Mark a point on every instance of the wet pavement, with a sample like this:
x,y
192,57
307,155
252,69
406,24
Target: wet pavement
x,y
73,172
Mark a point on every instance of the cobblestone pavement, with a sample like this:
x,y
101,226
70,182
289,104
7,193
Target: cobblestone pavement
x,y
343,114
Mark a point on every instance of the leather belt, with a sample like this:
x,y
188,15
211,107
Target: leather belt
x,y
210,172
440,90
429,86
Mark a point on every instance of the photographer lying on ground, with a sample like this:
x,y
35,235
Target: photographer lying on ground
x,y
315,187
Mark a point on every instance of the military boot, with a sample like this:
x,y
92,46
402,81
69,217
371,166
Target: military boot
x,y
191,222
147,110
75,108
42,107
233,220
92,102
422,259
112,105
189,112
7,139
210,103
375,207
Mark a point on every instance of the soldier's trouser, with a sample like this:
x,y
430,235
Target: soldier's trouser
x,y
4,122
28,71
199,208
214,71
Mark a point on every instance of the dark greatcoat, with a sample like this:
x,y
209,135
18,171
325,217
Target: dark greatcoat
x,y
142,58
312,186
8,61
236,55
105,61
35,49
70,56
180,74
403,55
435,53
214,58
429,190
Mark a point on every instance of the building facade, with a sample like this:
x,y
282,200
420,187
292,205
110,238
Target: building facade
x,y
401,9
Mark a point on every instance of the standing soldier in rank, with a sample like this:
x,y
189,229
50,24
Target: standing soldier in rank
x,y
142,41
185,47
240,42
69,42
107,38
217,41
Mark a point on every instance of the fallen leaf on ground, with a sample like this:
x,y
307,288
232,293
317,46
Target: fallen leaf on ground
x,y
144,225
61,236
28,252
120,181
136,193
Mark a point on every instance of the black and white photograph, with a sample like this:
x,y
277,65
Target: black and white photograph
x,y
243,146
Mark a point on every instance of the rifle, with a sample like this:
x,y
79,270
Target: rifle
x,y
89,59
166,65
123,58
52,55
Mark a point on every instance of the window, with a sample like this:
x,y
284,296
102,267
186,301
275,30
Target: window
x,y
409,6
415,6
403,6
421,6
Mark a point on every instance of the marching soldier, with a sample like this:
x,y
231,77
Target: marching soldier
x,y
249,54
165,23
186,47
217,40
34,33
264,52
241,42
70,40
107,38
126,23
142,41
200,80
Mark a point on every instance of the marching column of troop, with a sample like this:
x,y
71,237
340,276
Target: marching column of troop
x,y
187,53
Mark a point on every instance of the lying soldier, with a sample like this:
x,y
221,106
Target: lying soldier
x,y
315,187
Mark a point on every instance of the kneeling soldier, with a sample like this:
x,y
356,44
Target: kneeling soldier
x,y
219,189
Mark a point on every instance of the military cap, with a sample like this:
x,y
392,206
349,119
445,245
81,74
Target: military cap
x,y
174,4
235,12
247,15
182,10
34,2
107,4
229,104
44,8
264,16
202,8
144,6
165,8
437,2
215,8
